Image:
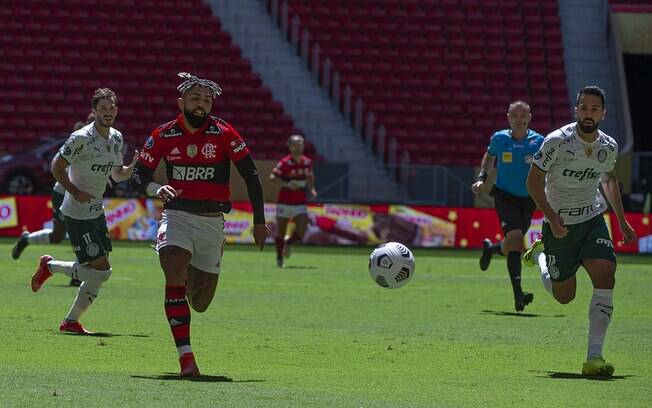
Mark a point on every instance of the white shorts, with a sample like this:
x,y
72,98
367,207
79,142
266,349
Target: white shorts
x,y
202,236
290,211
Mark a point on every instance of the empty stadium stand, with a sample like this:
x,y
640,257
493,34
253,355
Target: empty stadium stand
x,y
439,74
54,54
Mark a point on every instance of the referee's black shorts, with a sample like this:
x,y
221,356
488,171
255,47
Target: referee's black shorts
x,y
514,212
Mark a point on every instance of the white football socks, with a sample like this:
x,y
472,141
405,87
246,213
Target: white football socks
x,y
600,310
545,275
77,271
39,237
92,280
87,293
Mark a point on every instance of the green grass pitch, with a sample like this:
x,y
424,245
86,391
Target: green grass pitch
x,y
320,333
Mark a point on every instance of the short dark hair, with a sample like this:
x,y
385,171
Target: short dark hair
x,y
103,93
590,90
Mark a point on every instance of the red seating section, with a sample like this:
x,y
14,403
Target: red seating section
x,y
631,6
439,74
54,54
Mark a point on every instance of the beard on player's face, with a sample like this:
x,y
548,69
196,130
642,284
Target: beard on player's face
x,y
196,118
588,125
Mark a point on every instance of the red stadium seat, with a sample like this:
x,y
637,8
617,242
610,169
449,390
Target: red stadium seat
x,y
57,53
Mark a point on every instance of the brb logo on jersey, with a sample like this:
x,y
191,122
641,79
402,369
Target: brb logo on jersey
x,y
183,173
102,168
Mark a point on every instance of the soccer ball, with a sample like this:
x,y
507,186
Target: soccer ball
x,y
391,265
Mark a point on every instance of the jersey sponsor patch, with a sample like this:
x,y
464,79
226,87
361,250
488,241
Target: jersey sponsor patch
x,y
606,242
577,211
190,173
588,173
507,157
146,156
239,147
172,132
213,130
103,168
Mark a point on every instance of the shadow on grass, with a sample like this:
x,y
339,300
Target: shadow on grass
x,y
104,334
559,375
516,314
201,378
298,267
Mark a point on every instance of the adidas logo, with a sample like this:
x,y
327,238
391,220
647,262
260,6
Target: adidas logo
x,y
175,322
175,151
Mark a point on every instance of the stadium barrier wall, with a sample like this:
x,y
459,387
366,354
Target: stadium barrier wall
x,y
330,224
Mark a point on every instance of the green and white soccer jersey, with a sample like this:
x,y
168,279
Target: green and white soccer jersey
x,y
574,170
91,158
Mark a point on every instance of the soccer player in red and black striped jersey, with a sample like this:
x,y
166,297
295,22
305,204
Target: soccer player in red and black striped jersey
x,y
294,174
196,150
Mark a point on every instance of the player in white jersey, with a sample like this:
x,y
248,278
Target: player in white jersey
x,y
564,179
52,235
82,166
57,233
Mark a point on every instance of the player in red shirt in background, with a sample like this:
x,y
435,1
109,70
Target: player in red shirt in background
x,y
197,150
294,174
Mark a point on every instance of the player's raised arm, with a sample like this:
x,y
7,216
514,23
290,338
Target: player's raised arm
x,y
123,173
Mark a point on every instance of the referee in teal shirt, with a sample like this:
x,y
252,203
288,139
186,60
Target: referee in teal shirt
x,y
512,149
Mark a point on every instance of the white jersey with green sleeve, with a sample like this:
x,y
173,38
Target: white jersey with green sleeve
x,y
91,158
574,169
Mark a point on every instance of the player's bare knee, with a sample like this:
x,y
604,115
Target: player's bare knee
x,y
201,307
565,298
199,303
